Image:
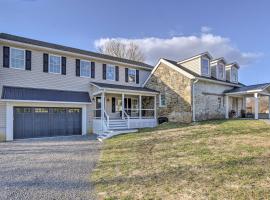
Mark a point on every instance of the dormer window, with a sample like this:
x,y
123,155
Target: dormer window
x,y
205,66
234,74
221,71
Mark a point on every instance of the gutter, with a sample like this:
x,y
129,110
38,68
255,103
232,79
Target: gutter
x,y
193,100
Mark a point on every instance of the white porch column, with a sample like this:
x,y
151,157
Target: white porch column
x,y
140,106
155,106
227,107
256,106
9,122
123,105
102,110
269,106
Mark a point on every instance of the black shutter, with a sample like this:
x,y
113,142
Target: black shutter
x,y
137,76
116,73
93,69
45,62
64,66
113,104
126,74
78,66
28,55
104,71
6,57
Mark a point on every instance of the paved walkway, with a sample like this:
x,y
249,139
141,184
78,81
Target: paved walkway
x,y
51,168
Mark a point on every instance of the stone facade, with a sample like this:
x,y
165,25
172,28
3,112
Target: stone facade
x,y
177,89
209,100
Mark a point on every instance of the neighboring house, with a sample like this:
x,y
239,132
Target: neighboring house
x,y
201,88
49,90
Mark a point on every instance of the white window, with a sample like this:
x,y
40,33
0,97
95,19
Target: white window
x,y
162,100
205,66
55,64
234,74
220,71
85,68
110,72
131,75
17,58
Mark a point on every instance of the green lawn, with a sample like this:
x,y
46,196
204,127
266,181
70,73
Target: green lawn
x,y
209,160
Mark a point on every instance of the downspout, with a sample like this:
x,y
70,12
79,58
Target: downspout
x,y
193,100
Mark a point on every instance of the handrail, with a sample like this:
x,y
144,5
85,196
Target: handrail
x,y
107,118
125,113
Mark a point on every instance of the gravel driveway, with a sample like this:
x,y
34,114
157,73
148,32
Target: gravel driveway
x,y
48,168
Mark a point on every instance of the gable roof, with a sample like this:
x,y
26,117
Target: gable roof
x,y
197,75
257,87
219,60
71,49
36,94
196,56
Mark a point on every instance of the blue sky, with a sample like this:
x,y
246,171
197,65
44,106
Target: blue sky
x,y
237,30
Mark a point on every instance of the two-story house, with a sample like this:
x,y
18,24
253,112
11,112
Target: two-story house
x,y
48,89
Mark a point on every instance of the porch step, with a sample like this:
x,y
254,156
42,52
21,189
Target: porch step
x,y
111,133
118,124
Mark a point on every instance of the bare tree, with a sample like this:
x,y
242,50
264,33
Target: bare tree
x,y
122,50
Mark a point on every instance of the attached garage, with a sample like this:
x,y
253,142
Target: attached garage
x,y
31,122
33,113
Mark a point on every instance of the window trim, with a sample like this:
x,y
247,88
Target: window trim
x,y
81,67
231,70
224,71
208,74
24,58
135,75
160,104
113,66
50,64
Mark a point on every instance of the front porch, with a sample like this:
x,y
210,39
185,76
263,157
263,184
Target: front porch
x,y
248,102
118,110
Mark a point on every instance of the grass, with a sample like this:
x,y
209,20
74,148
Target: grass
x,y
209,160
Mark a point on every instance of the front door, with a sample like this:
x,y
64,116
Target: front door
x,y
98,106
127,104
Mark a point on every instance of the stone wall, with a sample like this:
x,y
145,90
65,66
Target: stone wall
x,y
177,89
209,100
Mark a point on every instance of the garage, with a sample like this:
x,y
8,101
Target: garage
x,y
33,122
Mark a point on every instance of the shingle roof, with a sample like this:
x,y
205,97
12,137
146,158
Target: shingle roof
x,y
123,87
71,49
34,94
197,75
249,88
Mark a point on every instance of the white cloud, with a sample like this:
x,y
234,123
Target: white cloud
x,y
181,47
206,29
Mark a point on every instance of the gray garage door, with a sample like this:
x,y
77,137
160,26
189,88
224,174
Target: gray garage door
x,y
31,122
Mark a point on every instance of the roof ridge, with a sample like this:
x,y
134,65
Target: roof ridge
x,y
70,49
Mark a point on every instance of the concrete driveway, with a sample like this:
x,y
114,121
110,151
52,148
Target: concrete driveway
x,y
48,168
